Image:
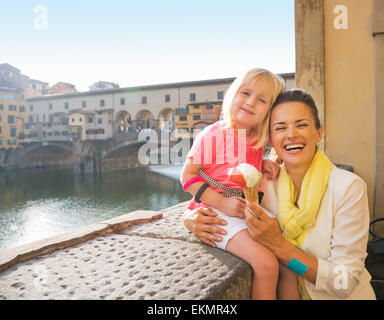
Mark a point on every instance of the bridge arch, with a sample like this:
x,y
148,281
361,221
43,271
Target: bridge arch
x,y
166,115
46,154
123,122
144,119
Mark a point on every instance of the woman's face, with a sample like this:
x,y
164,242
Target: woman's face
x,y
293,134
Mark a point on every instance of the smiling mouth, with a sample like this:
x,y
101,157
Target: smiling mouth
x,y
294,147
246,111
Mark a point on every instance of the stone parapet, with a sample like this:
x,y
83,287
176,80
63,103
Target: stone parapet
x,y
140,255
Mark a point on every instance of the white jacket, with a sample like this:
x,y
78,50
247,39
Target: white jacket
x,y
339,238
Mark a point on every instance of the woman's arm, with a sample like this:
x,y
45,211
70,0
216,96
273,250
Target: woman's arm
x,y
266,231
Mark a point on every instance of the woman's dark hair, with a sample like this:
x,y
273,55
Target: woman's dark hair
x,y
298,95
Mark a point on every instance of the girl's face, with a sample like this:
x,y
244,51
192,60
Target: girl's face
x,y
293,133
251,105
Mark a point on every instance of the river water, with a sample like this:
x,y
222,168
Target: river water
x,y
39,203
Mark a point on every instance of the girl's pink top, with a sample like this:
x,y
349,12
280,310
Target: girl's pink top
x,y
218,149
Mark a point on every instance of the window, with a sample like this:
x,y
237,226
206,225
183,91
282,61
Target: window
x,y
13,132
167,98
11,119
196,106
196,117
44,117
209,107
122,101
100,121
102,103
84,104
66,105
1,107
31,107
90,120
192,97
220,95
80,119
0,129
1,141
143,100
73,120
11,142
12,107
50,106
22,109
182,118
30,119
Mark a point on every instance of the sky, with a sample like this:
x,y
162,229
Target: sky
x,y
141,42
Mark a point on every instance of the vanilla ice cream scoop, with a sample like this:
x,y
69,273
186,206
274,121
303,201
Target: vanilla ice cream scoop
x,y
251,175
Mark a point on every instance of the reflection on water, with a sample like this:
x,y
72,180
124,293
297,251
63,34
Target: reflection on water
x,y
39,203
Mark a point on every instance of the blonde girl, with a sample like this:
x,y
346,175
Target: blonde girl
x,y
246,113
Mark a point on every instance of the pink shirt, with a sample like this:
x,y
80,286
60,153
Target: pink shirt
x,y
218,149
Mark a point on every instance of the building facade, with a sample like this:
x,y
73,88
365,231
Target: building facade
x,y
137,108
13,114
195,117
90,125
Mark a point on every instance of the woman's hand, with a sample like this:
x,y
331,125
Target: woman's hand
x,y
201,223
263,228
270,169
233,206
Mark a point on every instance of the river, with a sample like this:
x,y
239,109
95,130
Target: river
x,y
39,203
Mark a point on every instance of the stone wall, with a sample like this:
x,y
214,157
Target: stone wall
x,y
139,255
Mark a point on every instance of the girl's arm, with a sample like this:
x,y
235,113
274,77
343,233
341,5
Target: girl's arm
x,y
233,206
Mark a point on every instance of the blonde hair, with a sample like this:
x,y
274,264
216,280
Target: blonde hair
x,y
274,81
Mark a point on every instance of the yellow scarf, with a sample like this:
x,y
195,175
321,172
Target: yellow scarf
x,y
295,221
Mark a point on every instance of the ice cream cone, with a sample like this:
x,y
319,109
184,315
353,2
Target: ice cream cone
x,y
251,195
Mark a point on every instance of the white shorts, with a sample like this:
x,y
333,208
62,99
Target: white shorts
x,y
234,225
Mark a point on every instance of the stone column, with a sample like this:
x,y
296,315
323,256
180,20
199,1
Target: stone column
x,y
309,30
378,34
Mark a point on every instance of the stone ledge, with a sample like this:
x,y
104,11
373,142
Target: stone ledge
x,y
128,267
125,221
10,257
156,260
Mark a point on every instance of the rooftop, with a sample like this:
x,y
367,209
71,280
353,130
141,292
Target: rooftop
x,y
148,87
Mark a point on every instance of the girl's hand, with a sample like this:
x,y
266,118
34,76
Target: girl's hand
x,y
262,228
201,222
270,169
233,206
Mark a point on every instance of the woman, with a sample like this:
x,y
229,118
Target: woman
x,y
322,210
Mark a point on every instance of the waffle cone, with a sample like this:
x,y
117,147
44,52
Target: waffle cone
x,y
252,195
